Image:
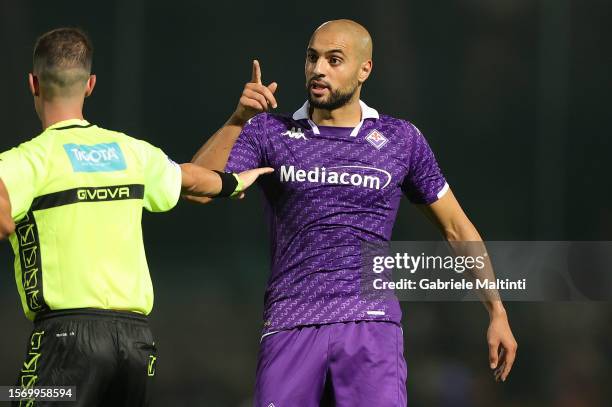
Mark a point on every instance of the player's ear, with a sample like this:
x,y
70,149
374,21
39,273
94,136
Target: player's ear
x,y
364,71
91,84
34,85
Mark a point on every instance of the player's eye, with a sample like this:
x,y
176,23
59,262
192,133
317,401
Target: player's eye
x,y
312,58
335,60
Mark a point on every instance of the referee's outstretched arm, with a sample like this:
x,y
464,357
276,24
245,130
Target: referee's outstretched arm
x,y
202,182
7,225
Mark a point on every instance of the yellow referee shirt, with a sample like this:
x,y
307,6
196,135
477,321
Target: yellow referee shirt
x,y
77,193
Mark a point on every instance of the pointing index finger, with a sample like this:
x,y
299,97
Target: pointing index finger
x,y
256,76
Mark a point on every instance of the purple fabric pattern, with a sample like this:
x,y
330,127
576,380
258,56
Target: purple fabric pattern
x,y
333,188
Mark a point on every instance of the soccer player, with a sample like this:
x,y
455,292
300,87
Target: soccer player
x,y
341,168
76,194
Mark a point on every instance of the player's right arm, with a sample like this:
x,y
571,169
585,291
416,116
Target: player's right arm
x,y
256,98
214,154
7,225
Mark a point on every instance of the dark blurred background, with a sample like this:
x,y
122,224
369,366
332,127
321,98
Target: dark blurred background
x,y
513,96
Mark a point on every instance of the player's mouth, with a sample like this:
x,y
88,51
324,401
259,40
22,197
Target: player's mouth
x,y
318,88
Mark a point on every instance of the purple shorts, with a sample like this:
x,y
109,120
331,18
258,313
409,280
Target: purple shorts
x,y
350,364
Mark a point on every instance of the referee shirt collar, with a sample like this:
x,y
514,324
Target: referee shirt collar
x,y
69,122
303,113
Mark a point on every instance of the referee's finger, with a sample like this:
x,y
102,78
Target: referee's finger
x,y
263,170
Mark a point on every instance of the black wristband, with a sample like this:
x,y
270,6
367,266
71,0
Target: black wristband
x,y
228,184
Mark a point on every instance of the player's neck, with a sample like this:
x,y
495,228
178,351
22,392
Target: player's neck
x,y
55,111
348,115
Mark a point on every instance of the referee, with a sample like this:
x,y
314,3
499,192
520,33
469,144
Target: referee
x,y
71,203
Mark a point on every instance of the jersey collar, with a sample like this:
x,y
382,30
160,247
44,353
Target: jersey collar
x,y
303,113
69,122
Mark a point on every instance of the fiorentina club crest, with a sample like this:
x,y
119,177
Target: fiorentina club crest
x,y
376,139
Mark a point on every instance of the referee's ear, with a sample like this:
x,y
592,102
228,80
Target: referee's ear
x,y
34,86
91,84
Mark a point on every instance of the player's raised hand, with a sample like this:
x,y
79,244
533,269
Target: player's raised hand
x,y
250,176
256,97
502,347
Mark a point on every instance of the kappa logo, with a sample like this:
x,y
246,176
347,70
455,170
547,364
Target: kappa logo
x,y
295,133
377,139
271,405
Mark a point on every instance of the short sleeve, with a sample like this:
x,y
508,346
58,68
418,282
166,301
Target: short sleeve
x,y
424,182
247,151
163,178
23,170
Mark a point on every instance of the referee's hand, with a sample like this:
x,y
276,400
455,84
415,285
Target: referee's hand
x,y
256,97
250,176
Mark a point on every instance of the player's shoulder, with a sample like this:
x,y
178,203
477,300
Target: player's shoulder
x,y
401,127
267,124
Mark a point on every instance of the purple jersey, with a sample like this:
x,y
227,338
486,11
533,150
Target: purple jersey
x,y
333,189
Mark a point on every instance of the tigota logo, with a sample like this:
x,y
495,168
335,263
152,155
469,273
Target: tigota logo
x,y
104,157
95,155
355,175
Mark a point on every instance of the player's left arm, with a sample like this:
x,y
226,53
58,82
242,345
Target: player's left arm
x,y
451,220
7,225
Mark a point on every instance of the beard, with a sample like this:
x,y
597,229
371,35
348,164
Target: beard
x,y
337,99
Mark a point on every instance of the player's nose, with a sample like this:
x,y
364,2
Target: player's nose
x,y
318,69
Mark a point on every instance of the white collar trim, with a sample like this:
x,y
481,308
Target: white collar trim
x,y
366,113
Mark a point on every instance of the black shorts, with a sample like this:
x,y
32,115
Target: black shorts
x,y
109,356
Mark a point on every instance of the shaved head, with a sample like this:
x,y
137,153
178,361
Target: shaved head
x,y
338,62
352,32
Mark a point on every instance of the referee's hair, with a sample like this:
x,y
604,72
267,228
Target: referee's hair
x,y
62,61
